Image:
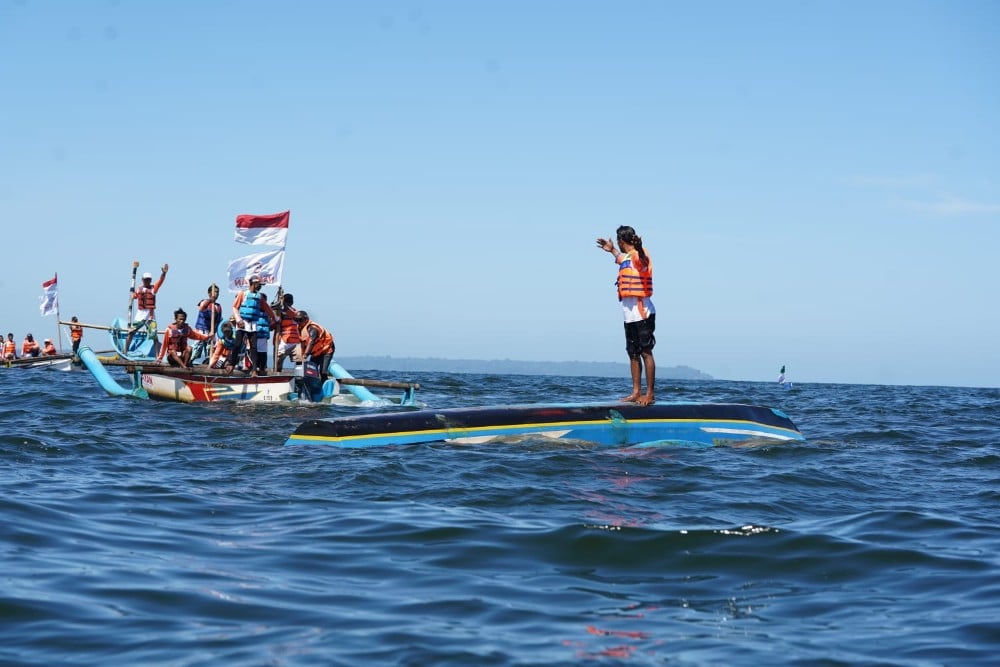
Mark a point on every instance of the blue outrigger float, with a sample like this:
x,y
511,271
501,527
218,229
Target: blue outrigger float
x,y
617,424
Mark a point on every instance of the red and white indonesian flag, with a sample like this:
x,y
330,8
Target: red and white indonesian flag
x,y
262,229
50,297
267,265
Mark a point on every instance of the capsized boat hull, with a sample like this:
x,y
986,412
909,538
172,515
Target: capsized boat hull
x,y
619,424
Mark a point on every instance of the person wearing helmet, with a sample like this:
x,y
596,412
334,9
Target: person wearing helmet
x,y
249,307
48,349
145,302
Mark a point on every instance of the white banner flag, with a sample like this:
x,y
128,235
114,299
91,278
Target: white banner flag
x,y
50,298
266,265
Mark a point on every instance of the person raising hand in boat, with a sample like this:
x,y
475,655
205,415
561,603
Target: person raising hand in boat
x,y
317,343
248,309
145,302
635,291
175,341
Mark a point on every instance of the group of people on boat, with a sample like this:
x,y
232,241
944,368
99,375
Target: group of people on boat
x,y
241,340
29,348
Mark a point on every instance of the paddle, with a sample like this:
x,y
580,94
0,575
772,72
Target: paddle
x,y
131,291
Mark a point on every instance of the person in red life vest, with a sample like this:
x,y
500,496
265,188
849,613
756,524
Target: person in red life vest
x,y
287,333
10,347
75,334
175,341
29,348
249,308
635,291
145,303
48,349
208,320
317,343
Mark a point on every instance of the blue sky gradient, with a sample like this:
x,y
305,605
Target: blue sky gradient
x,y
818,183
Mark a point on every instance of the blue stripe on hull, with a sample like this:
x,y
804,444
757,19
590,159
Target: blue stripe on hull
x,y
704,424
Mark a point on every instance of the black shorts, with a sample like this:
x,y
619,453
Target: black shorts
x,y
639,336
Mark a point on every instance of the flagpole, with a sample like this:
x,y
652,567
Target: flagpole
x,y
58,337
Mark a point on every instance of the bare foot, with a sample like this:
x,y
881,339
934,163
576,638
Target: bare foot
x,y
631,398
645,400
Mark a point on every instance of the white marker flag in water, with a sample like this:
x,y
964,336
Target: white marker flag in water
x,y
50,298
262,229
268,266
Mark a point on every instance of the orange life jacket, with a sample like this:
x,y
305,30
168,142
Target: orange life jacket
x,y
76,332
324,341
288,326
634,277
175,338
145,298
28,346
9,347
49,349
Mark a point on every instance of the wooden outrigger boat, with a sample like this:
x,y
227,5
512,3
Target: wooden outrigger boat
x,y
159,381
56,362
616,424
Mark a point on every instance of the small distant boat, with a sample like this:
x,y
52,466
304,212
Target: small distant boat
x,y
56,362
200,384
618,424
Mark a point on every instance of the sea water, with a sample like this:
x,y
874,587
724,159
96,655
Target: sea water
x,y
144,533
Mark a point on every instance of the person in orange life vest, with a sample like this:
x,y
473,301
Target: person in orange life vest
x,y
75,334
10,347
145,303
287,333
248,309
223,346
48,349
635,289
175,338
317,343
208,320
29,348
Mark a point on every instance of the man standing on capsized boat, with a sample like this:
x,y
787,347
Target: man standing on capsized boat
x,y
635,291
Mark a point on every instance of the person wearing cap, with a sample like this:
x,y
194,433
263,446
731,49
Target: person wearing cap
x,y
317,343
29,348
48,349
248,309
145,303
75,333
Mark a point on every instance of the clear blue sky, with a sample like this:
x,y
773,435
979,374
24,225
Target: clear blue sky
x,y
818,183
